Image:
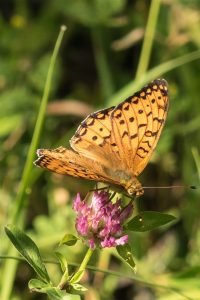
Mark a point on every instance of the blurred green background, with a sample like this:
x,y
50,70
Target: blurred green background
x,y
101,62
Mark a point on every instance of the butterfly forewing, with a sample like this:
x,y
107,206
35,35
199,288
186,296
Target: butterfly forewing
x,y
157,99
93,137
137,123
127,129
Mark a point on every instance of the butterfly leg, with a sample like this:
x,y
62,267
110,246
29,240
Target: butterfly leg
x,y
112,195
106,188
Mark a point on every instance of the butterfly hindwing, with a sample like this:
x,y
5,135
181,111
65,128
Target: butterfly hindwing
x,y
67,162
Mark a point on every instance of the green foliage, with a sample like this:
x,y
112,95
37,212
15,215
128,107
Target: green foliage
x,y
53,293
63,263
69,240
28,249
91,13
125,253
97,64
76,278
148,220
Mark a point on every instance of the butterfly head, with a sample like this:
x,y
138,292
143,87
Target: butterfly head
x,y
134,187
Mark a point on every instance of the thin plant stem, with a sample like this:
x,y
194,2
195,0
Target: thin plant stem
x,y
148,38
196,157
64,280
17,215
133,278
78,275
7,274
24,184
83,264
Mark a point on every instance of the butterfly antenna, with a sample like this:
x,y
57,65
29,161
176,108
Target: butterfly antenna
x,y
193,187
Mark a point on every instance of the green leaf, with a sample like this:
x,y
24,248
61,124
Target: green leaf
x,y
63,261
77,288
191,272
91,13
28,250
69,240
79,10
36,285
148,220
53,293
107,8
57,294
77,277
126,254
9,123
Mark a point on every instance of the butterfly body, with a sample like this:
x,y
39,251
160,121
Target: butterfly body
x,y
114,145
130,183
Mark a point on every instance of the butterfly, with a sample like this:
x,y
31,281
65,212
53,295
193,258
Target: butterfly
x,y
114,145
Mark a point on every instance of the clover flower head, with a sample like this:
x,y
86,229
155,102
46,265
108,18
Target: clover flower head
x,y
100,223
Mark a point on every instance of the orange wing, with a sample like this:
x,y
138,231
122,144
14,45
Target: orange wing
x,y
114,145
137,124
93,139
67,162
157,96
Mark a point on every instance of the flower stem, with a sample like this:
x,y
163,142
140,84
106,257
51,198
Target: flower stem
x,y
64,280
83,265
78,275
